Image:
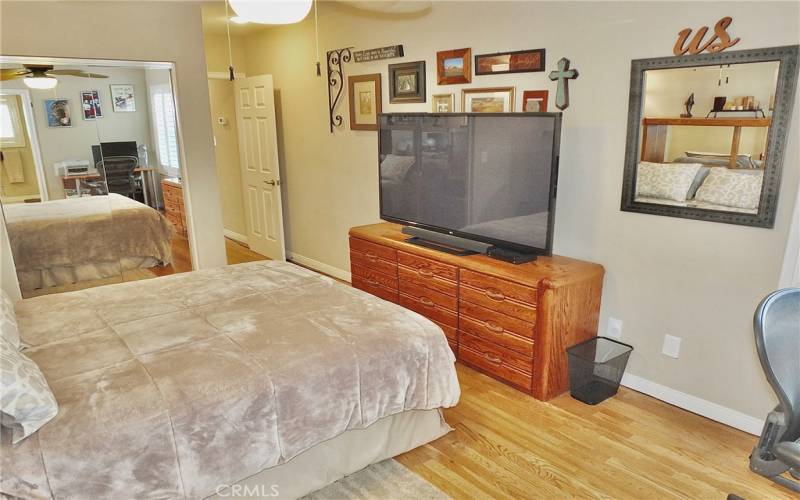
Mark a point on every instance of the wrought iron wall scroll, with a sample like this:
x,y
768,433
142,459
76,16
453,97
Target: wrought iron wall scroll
x,y
336,58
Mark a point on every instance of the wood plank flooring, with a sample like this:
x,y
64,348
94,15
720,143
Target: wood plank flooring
x,y
509,445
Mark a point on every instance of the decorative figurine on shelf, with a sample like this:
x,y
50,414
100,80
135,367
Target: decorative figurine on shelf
x,y
563,74
689,104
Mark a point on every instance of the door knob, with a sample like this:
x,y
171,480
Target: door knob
x,y
272,182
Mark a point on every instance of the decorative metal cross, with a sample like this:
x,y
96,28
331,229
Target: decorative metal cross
x,y
562,75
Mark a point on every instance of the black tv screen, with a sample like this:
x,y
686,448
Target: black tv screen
x,y
486,177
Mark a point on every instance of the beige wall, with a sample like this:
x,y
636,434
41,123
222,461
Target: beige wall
x,y
226,150
697,280
19,191
216,48
157,31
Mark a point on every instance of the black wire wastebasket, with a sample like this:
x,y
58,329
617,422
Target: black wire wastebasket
x,y
596,367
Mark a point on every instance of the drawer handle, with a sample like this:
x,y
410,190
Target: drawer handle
x,y
426,302
492,359
495,294
491,325
372,257
424,273
371,280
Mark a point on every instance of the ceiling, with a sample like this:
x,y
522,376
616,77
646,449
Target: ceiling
x,y
214,14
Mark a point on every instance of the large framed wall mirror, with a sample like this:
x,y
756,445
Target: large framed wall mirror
x,y
707,133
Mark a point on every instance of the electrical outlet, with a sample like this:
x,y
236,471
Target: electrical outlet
x,y
672,346
614,329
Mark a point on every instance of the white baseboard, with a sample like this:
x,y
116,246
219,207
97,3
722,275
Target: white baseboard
x,y
694,404
235,236
319,266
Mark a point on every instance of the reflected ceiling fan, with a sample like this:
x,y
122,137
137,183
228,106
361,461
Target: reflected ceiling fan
x,y
42,76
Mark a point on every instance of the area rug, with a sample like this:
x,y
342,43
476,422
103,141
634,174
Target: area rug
x,y
387,479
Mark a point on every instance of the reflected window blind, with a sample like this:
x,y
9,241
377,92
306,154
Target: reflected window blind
x,y
166,130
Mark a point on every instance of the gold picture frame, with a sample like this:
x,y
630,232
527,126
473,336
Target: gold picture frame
x,y
364,94
443,103
488,100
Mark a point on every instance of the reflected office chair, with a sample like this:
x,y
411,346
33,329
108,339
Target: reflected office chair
x,y
119,174
777,328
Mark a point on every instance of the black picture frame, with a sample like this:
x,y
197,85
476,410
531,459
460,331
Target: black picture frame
x,y
787,57
481,71
414,94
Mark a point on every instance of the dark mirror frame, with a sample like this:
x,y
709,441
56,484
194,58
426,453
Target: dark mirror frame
x,y
787,56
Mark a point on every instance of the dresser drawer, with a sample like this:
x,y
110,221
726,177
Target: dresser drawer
x,y
479,329
420,278
172,206
375,289
450,332
371,261
453,347
493,366
495,321
372,250
171,193
374,277
497,294
495,353
427,296
175,219
430,310
427,268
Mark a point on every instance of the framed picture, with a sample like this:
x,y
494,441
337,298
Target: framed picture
x,y
407,82
535,101
453,66
521,61
123,99
58,114
365,101
443,103
488,100
90,103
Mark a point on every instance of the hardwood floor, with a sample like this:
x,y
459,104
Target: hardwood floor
x,y
509,445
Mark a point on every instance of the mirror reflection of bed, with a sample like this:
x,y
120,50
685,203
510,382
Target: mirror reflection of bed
x,y
81,167
704,136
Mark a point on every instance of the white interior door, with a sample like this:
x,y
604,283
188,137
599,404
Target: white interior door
x,y
258,148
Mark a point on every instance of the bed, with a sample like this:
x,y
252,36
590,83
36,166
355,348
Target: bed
x,y
261,374
80,239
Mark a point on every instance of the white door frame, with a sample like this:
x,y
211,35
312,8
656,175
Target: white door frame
x,y
30,127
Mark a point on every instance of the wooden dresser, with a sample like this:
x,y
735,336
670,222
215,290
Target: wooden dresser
x,y
173,204
512,322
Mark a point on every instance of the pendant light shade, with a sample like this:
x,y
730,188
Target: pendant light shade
x,y
40,82
271,11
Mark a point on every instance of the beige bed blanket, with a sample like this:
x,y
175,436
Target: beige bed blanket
x,y
89,230
170,387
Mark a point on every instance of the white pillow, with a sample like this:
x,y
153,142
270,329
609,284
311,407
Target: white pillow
x,y
394,167
670,181
731,189
26,401
8,320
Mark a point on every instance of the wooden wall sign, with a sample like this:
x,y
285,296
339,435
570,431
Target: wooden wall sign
x,y
389,52
696,46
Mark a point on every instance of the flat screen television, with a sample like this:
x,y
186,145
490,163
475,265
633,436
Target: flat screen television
x,y
488,177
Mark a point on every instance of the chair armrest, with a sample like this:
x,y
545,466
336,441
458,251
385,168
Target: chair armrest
x,y
788,453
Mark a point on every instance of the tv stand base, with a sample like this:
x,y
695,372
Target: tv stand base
x,y
441,247
508,255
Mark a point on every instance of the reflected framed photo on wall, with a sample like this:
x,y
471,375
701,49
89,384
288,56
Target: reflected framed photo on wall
x,y
488,100
365,101
58,113
454,66
90,103
443,103
123,98
407,82
521,61
535,101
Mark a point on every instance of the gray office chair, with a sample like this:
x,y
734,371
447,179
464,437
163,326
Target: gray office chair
x,y
119,175
777,328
